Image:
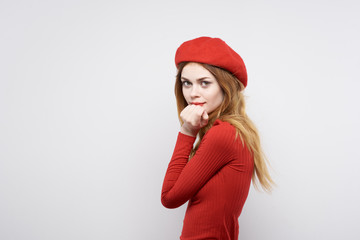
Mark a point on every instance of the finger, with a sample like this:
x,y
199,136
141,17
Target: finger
x,y
205,115
186,111
201,112
189,115
204,119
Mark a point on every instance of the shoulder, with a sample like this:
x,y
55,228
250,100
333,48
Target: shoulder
x,y
222,129
221,133
222,124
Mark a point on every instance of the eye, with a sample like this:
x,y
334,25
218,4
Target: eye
x,y
186,83
205,83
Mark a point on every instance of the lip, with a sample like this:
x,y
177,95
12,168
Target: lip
x,y
197,103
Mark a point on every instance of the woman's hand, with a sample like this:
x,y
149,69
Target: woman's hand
x,y
194,118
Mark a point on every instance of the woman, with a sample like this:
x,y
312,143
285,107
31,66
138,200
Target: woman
x,y
215,175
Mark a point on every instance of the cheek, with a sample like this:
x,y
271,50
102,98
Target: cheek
x,y
185,94
217,96
222,96
218,99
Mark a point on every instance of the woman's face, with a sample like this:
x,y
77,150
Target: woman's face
x,y
200,87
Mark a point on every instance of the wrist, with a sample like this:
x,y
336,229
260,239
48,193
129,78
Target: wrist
x,y
188,132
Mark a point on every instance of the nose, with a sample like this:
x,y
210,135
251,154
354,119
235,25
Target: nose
x,y
194,92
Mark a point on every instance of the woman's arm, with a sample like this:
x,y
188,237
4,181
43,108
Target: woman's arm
x,y
184,179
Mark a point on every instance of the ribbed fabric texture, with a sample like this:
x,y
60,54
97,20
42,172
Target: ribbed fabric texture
x,y
216,182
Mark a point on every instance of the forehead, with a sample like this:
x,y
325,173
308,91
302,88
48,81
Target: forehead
x,y
195,70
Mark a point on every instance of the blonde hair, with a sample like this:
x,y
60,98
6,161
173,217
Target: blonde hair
x,y
231,110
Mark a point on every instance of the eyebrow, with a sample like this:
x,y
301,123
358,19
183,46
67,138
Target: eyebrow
x,y
199,79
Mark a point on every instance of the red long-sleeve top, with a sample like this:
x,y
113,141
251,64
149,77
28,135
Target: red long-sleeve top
x,y
216,182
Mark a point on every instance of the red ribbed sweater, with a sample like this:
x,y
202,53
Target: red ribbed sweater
x,y
216,182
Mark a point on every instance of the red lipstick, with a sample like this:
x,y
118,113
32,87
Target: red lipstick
x,y
197,103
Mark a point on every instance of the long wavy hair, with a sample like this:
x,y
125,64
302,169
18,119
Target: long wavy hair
x,y
231,110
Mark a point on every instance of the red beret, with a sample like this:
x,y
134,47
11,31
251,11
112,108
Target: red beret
x,y
212,51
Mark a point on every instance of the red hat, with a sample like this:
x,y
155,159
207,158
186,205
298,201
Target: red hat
x,y
212,51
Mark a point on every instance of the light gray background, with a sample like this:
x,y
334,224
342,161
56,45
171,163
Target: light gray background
x,y
88,117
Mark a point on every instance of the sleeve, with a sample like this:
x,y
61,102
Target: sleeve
x,y
184,179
